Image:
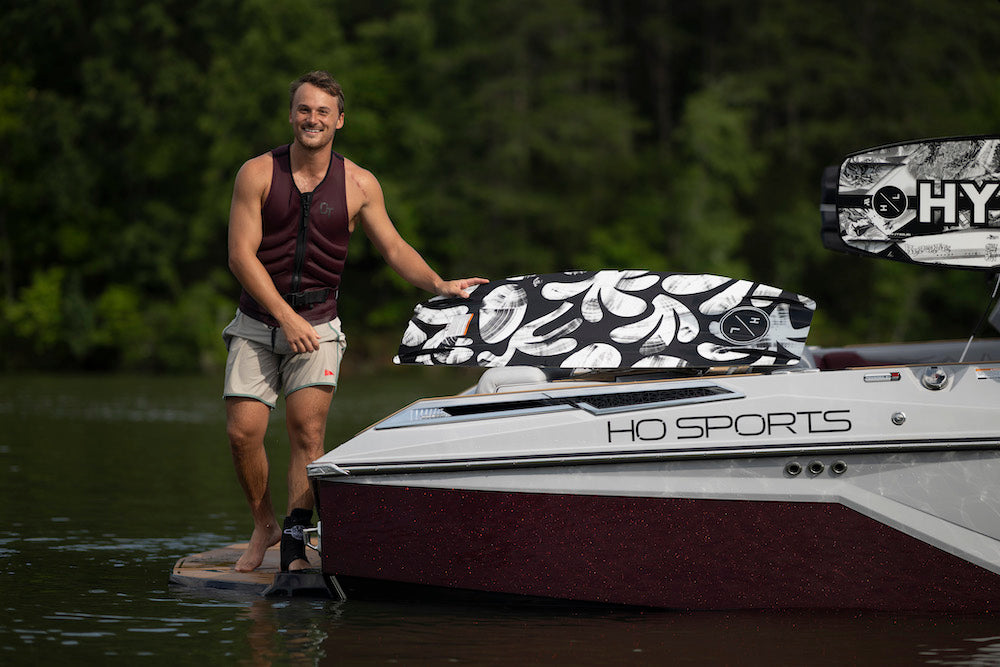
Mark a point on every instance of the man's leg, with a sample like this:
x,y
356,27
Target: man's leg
x,y
306,412
246,425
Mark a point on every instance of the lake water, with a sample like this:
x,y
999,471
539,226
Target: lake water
x,y
106,481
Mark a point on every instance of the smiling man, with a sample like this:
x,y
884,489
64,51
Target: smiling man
x,y
292,214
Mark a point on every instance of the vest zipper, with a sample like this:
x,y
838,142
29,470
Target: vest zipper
x,y
300,244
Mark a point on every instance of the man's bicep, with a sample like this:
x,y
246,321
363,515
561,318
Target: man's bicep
x,y
245,227
382,233
374,216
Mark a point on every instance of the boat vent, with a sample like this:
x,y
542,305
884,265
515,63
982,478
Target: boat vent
x,y
596,403
609,402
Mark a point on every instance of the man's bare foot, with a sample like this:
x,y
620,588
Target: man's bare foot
x,y
262,539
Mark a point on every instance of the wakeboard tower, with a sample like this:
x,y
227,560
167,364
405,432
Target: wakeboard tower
x,y
611,320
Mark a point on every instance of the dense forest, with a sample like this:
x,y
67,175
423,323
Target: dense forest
x,y
510,137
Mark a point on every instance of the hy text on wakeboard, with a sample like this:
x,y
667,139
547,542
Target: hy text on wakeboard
x,y
611,320
931,202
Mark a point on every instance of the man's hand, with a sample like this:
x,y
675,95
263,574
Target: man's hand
x,y
458,287
301,335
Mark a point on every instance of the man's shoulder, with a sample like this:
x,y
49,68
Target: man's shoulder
x,y
257,170
260,161
353,168
358,175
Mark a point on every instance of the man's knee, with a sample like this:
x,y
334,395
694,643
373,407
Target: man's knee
x,y
305,416
246,423
307,436
241,438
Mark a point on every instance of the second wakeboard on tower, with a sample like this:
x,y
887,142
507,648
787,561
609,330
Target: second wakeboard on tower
x,y
933,202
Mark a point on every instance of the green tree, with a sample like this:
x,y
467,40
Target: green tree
x,y
509,138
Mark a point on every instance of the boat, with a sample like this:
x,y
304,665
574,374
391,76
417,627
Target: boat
x,y
767,476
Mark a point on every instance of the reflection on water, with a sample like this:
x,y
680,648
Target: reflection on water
x,y
137,409
105,482
387,633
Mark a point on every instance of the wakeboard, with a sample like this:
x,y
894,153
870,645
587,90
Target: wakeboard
x,y
611,320
934,202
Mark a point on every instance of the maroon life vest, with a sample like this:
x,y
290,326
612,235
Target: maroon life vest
x,y
305,239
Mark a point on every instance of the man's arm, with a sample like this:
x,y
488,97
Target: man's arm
x,y
245,233
399,254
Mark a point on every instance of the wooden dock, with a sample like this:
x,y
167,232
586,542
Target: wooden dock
x,y
212,571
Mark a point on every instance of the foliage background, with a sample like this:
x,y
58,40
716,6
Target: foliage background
x,y
515,137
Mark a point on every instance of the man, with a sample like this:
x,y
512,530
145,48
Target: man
x,y
290,220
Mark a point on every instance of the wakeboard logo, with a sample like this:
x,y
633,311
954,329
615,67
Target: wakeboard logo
x,y
745,324
889,202
941,202
951,197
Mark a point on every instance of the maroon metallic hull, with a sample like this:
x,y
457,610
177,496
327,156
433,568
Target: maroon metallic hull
x,y
662,552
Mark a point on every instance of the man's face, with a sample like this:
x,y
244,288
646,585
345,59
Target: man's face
x,y
315,117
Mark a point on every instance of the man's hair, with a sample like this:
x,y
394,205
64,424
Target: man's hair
x,y
321,80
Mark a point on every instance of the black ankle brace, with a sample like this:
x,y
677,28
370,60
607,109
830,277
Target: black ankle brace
x,y
293,543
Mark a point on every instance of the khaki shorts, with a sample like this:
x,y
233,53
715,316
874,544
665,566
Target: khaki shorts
x,y
261,363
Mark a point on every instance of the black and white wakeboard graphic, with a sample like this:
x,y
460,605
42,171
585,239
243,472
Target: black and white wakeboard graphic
x,y
933,202
611,320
